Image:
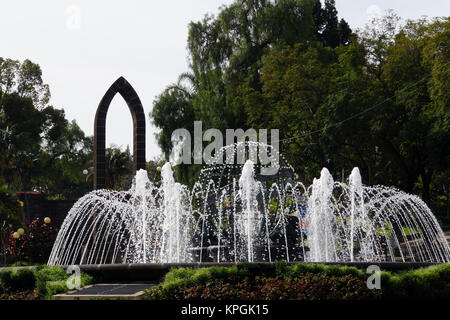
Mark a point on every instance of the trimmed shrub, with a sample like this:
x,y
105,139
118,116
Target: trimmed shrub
x,y
43,281
429,283
21,279
51,280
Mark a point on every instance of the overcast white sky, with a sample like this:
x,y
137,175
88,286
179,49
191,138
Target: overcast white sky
x,y
144,41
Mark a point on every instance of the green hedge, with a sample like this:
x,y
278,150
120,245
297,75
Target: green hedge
x,y
431,282
21,279
51,280
48,280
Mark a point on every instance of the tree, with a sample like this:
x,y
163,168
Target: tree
x,y
345,32
330,34
318,18
419,140
25,79
21,125
367,105
8,73
11,218
65,159
327,29
378,99
295,86
172,110
227,53
436,55
119,168
40,149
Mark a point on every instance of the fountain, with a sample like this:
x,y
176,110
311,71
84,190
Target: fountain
x,y
353,222
234,213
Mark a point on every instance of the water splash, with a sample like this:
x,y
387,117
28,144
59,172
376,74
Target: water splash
x,y
175,219
143,225
235,213
353,222
249,218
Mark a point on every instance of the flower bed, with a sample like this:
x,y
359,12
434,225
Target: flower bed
x,y
299,282
35,245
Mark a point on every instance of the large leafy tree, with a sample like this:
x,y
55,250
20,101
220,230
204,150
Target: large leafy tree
x,y
412,129
377,99
66,159
295,86
227,53
40,149
379,104
25,79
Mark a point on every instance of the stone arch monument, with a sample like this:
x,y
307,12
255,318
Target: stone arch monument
x,y
137,112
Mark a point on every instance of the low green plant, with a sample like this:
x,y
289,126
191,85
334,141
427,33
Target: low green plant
x,y
15,280
51,280
330,270
45,280
431,283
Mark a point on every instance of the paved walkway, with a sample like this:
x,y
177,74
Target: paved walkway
x,y
122,291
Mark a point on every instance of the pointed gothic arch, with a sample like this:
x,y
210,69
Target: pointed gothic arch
x,y
137,112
